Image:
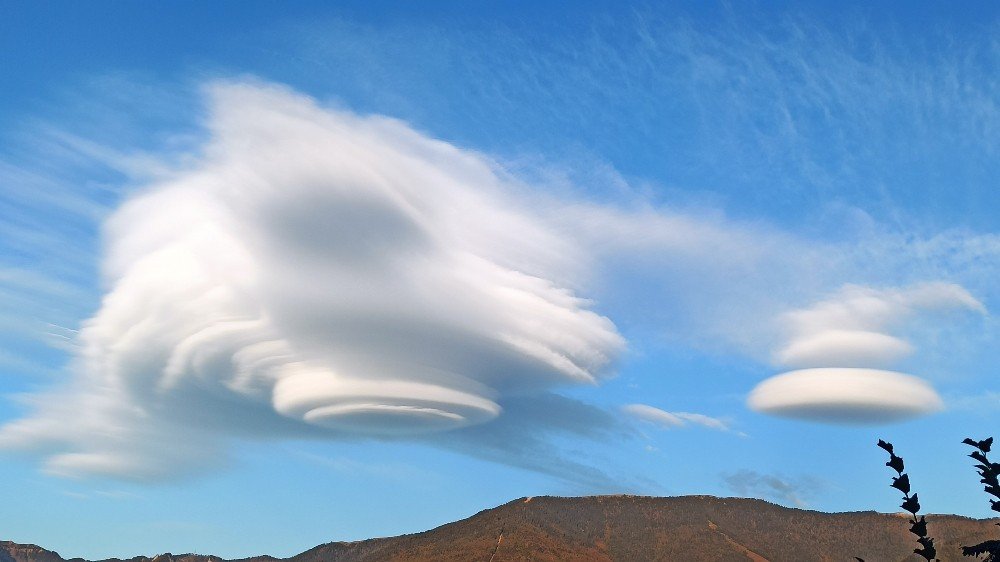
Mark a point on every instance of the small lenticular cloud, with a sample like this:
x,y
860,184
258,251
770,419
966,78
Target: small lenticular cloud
x,y
845,395
838,347
843,348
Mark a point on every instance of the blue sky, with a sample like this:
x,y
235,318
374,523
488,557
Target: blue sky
x,y
736,191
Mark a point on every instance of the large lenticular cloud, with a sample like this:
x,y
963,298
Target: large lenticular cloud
x,y
315,272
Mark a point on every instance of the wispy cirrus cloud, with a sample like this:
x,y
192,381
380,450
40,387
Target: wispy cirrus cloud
x,y
782,115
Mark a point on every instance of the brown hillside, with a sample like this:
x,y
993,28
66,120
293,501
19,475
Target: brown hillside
x,y
635,528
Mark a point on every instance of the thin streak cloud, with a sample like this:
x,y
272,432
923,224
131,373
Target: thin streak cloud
x,y
671,420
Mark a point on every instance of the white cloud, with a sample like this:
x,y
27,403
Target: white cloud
x,y
653,415
840,395
837,342
862,309
670,420
316,273
843,348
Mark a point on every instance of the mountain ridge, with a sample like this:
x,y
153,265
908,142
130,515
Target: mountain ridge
x,y
626,528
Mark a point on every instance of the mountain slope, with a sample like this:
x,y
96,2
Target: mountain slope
x,y
633,528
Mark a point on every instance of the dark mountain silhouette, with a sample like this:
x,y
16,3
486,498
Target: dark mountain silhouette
x,y
631,528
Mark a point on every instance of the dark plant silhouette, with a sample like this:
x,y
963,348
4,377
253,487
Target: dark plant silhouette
x,y
990,477
989,472
911,504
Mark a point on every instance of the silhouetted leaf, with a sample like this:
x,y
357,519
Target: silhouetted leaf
x,y
990,548
902,484
983,445
895,463
928,551
911,504
919,527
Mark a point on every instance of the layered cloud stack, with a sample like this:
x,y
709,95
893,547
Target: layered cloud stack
x,y
840,349
315,272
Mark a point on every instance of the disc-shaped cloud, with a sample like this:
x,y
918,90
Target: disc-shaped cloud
x,y
385,407
844,348
845,395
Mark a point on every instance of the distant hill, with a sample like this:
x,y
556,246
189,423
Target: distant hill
x,y
631,529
